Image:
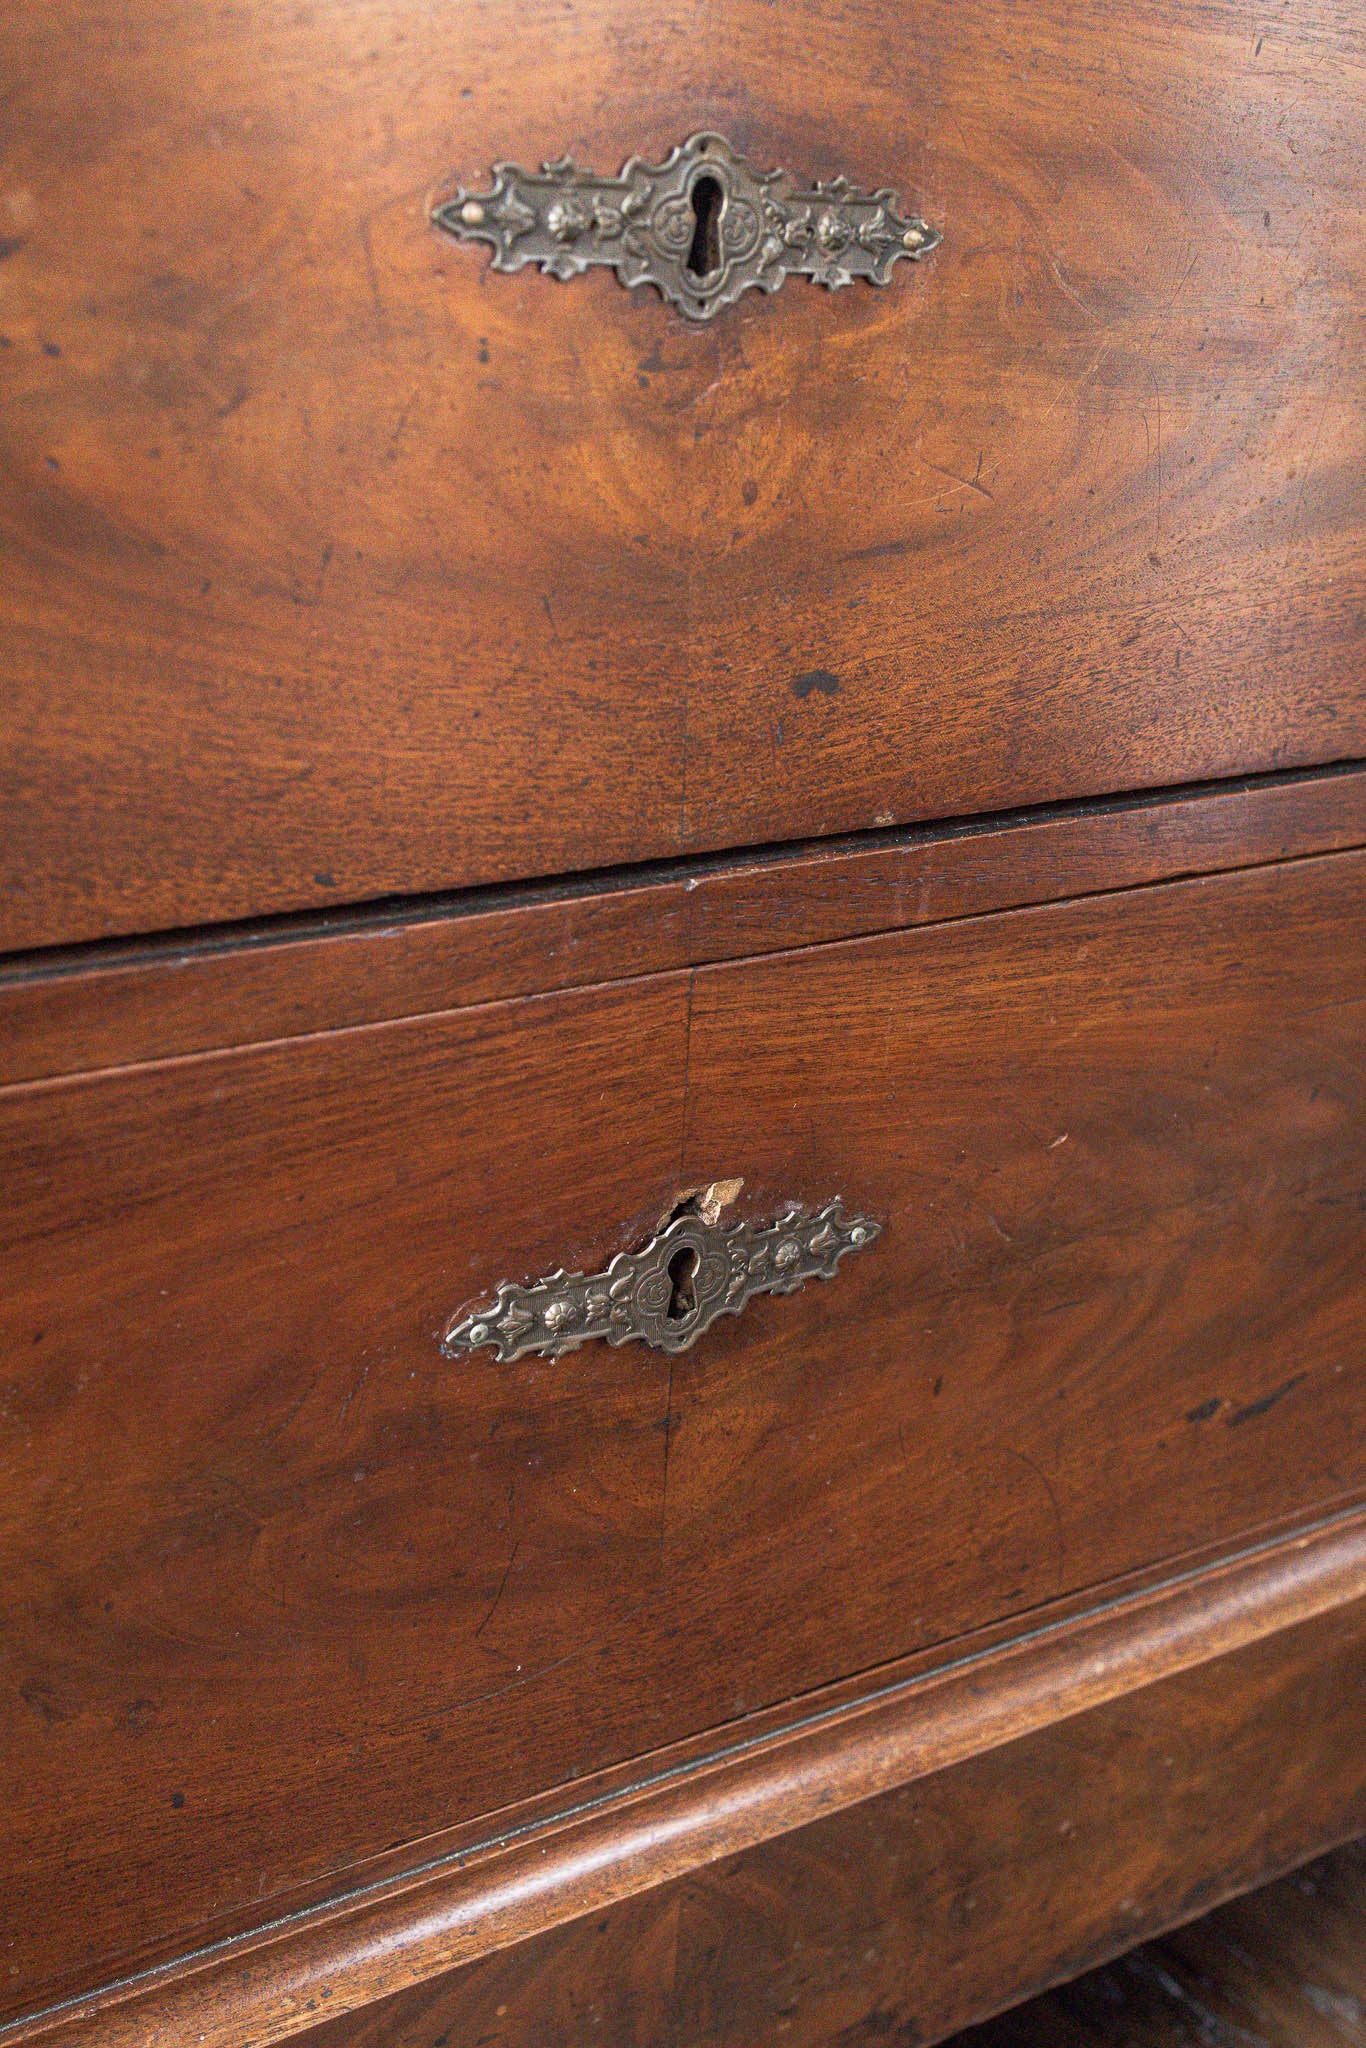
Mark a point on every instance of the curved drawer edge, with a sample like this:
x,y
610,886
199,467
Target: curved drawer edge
x,y
675,1814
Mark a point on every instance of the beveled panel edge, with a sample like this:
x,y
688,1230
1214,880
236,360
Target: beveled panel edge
x,y
107,1005
682,1812
1067,1848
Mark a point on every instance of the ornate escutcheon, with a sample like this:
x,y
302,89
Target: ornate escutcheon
x,y
670,1292
702,227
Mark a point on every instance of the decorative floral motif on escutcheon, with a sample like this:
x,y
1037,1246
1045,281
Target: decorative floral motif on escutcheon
x,y
669,1293
702,227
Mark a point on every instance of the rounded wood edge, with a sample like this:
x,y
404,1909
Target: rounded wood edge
x,y
65,1015
267,1986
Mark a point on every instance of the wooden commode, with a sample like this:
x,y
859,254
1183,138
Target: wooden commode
x,y
682,1008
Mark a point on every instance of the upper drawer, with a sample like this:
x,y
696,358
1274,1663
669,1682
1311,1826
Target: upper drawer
x,y
336,565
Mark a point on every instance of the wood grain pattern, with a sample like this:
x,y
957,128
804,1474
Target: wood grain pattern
x,y
910,1913
112,1005
335,566
1116,1319
1283,1968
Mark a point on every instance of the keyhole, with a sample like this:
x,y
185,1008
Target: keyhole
x,y
705,254
682,1298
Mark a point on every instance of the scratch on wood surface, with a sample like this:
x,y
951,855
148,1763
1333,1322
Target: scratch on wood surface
x,y
372,275
1063,285
502,1588
272,1435
1049,1488
352,1392
965,483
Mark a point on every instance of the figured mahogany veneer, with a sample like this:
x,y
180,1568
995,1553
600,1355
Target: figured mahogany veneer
x,y
335,566
287,1592
1283,1967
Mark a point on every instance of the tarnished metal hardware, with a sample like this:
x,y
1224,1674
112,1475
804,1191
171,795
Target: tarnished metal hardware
x,y
702,227
669,1293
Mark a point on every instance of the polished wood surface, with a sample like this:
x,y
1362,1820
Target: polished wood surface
x,y
481,759
1283,1968
910,1915
93,1006
1115,1319
600,1842
335,566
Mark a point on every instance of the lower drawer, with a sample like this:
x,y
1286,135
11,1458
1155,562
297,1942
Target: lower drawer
x,y
285,1587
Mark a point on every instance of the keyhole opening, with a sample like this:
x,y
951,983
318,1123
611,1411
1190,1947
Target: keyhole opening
x,y
705,199
682,1295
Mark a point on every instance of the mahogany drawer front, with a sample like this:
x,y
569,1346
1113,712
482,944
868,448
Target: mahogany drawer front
x,y
337,566
285,1587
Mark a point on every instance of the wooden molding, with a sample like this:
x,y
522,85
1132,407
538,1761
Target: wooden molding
x,y
77,1010
920,1912
688,1807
